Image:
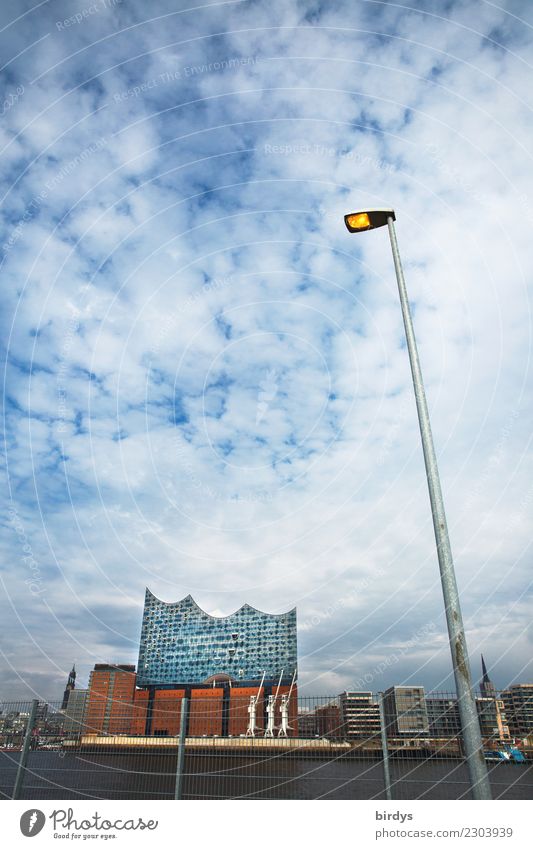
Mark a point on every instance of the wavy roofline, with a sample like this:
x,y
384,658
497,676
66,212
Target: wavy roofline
x,y
244,606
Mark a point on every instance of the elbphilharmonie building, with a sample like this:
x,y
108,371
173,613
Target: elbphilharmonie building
x,y
182,644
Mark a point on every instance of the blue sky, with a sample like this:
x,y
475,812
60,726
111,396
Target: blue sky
x,y
206,387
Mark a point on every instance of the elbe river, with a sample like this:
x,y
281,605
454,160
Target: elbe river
x,y
151,775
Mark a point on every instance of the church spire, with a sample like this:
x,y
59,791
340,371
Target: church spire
x,y
71,684
486,686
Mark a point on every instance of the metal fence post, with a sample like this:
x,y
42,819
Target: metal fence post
x,y
181,750
21,771
384,749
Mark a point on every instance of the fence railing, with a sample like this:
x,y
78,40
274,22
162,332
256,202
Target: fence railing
x,y
225,745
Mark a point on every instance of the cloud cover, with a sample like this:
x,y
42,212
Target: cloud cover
x,y
206,387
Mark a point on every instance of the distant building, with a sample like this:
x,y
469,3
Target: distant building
x,y
52,723
75,712
182,644
12,725
321,721
518,701
359,715
328,721
109,707
307,725
405,712
71,683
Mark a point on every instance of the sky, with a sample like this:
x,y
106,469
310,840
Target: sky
x,y
206,386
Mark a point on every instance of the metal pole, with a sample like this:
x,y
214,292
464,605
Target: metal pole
x,y
21,771
181,750
461,667
384,748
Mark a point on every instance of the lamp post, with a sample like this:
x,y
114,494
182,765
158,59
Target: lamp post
x,y
357,222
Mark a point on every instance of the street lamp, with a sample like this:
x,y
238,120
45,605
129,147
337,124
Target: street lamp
x,y
357,222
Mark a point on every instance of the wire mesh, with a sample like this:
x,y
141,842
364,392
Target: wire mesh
x,y
247,745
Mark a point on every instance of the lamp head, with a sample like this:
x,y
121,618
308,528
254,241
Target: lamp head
x,y
368,219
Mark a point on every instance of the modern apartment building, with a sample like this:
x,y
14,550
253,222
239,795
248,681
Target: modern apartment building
x,y
443,716
518,701
492,718
359,715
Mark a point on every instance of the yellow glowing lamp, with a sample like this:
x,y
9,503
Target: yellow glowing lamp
x,y
368,219
358,221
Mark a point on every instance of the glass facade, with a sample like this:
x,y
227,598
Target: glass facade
x,y
182,644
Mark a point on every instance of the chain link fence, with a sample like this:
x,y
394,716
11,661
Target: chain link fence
x,y
401,745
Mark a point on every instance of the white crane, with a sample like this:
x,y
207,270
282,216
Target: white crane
x,y
271,710
284,709
252,711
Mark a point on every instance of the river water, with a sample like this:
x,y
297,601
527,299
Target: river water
x,y
151,775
